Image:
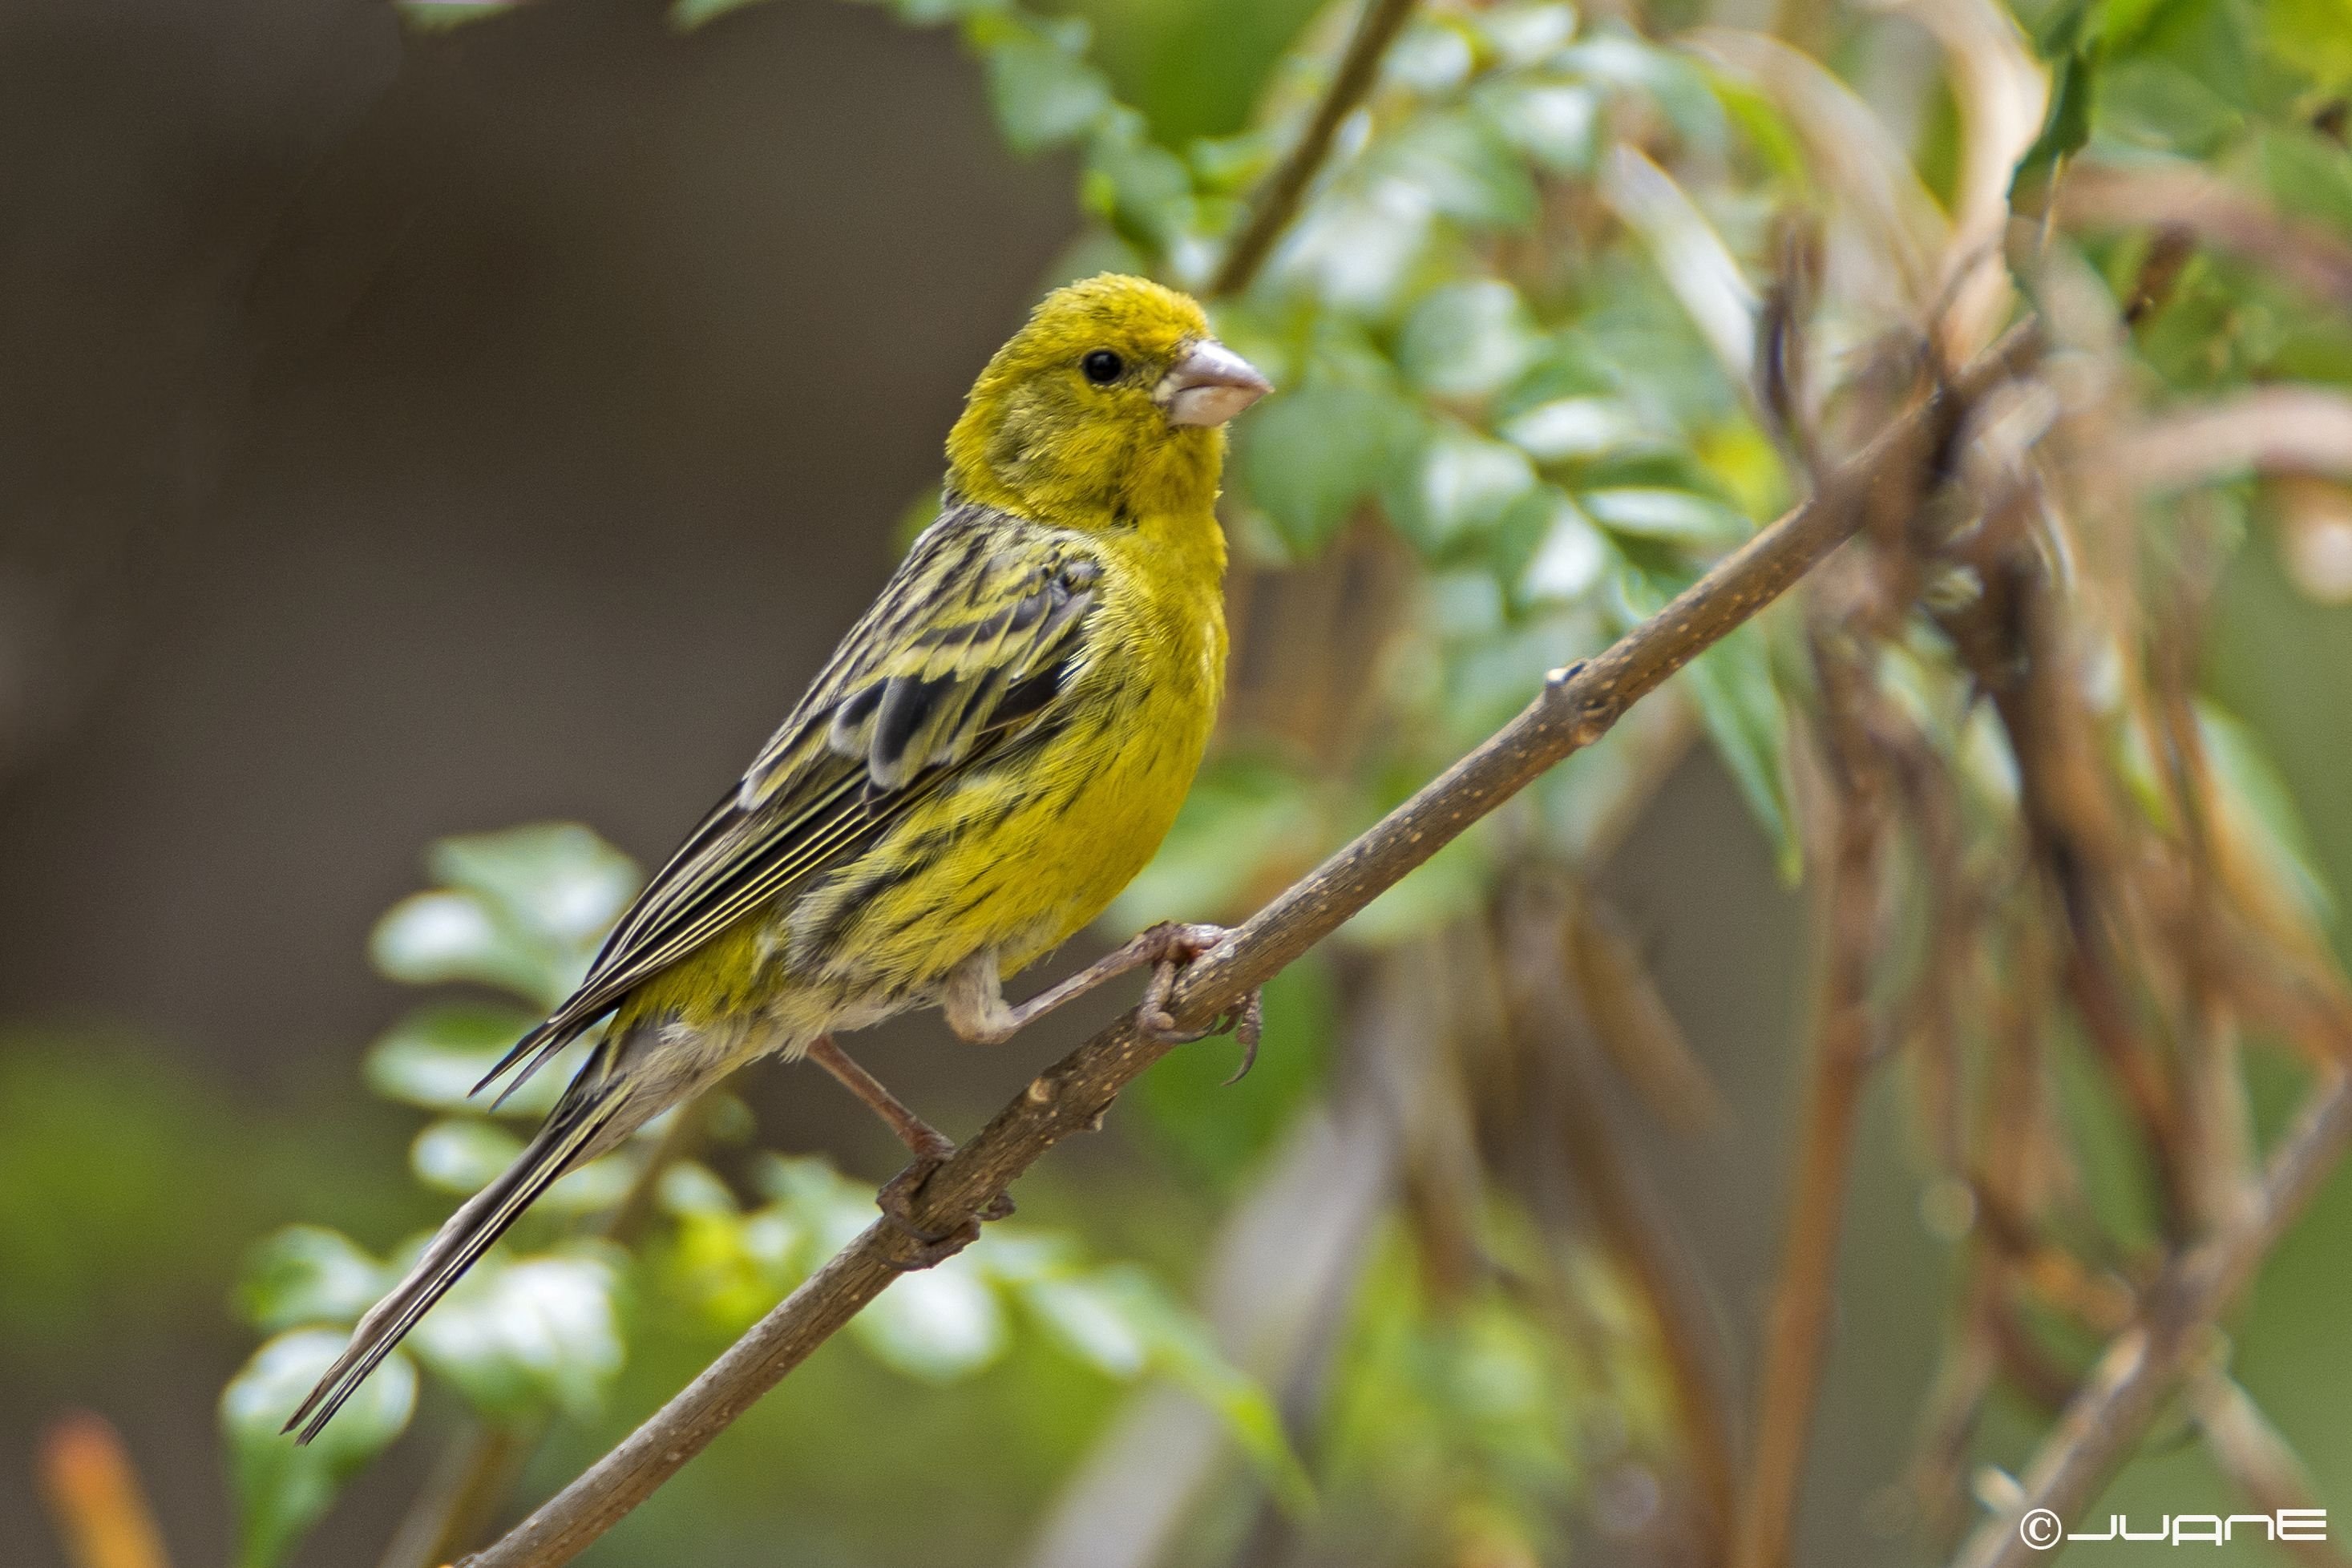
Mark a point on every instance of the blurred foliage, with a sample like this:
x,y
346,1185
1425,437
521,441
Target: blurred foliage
x,y
540,1327
1515,327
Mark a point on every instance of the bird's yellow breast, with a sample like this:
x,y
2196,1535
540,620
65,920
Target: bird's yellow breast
x,y
1019,854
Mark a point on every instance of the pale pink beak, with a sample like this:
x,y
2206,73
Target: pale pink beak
x,y
1209,385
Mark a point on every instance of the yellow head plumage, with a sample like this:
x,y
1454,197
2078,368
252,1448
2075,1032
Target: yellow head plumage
x,y
1107,406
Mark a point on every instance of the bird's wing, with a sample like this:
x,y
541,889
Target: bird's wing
x,y
967,645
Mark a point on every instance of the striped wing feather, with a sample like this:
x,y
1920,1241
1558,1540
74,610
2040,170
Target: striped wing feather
x,y
966,646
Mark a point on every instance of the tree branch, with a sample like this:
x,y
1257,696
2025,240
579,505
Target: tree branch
x,y
1575,708
2122,1394
1278,197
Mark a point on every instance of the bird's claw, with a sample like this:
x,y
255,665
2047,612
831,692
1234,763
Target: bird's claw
x,y
1249,1021
1245,1018
895,1200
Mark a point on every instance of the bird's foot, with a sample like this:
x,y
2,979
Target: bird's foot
x,y
932,1247
1180,945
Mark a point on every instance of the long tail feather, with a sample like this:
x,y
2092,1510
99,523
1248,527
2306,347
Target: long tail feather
x,y
468,1235
540,1044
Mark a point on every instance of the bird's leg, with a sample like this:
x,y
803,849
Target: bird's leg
x,y
931,1147
922,1140
976,1009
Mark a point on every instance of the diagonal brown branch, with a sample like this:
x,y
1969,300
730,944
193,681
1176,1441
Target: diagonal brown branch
x,y
1278,197
1575,708
2125,1391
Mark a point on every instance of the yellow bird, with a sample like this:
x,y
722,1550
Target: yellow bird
x,y
994,751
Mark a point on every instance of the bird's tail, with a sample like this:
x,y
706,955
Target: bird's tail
x,y
571,1128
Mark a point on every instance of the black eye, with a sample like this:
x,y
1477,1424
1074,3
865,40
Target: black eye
x,y
1102,366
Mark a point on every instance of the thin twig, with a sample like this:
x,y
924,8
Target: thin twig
x,y
2258,1460
2009,639
1805,1293
1279,198
2124,1392
1575,709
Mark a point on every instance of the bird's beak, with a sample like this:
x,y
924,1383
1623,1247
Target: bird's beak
x,y
1209,385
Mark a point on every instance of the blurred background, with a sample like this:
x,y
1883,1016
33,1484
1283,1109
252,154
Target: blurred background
x,y
410,433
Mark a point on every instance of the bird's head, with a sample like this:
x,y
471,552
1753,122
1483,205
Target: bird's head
x,y
1108,405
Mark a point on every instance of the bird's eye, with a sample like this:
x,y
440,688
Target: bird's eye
x,y
1102,366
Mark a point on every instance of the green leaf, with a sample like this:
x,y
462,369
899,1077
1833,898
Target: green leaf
x,y
1739,704
1137,185
2308,177
1309,457
1671,516
283,1488
1087,1318
1460,166
1624,60
2155,103
2064,127
1566,430
1553,123
1467,339
832,1209
432,939
1044,91
1570,561
1432,57
1526,35
462,1155
1462,485
308,1274
689,1187
556,879
727,1267
1181,1348
1231,166
937,1325
2312,38
1357,246
1689,254
435,1056
520,1338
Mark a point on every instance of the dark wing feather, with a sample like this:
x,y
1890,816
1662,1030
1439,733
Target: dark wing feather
x,y
968,644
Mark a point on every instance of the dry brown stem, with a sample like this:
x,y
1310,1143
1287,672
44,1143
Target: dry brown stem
x,y
2098,1427
1804,1293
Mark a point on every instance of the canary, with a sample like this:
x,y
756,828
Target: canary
x,y
993,751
